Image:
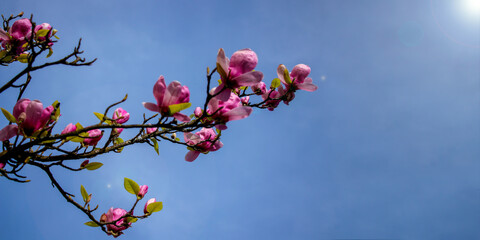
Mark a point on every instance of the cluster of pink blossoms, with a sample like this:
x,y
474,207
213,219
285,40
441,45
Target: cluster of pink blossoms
x,y
14,42
118,216
236,73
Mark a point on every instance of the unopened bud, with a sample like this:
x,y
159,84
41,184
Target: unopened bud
x,y
84,163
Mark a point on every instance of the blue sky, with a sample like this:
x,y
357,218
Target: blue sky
x,y
386,148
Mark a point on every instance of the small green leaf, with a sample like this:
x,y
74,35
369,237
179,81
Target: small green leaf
x,y
93,166
275,83
75,139
91,224
84,193
99,116
79,126
42,32
118,141
132,219
9,116
286,76
50,52
154,207
23,58
155,145
131,186
174,108
177,139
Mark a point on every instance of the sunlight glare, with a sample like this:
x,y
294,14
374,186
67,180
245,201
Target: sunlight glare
x,y
472,7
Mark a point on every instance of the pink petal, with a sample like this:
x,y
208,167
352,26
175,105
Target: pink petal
x,y
8,132
181,117
34,112
221,127
247,79
307,85
159,91
151,106
223,96
3,35
20,107
280,71
191,156
176,93
238,113
222,60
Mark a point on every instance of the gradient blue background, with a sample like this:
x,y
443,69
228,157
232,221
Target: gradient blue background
x,y
386,148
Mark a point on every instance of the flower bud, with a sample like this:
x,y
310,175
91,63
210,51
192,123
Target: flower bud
x,y
259,88
84,163
2,164
120,116
151,200
94,136
151,130
143,191
69,128
198,112
245,100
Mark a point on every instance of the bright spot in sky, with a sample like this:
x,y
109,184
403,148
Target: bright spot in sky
x,y
472,7
109,186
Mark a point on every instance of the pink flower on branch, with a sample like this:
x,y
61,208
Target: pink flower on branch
x,y
225,111
143,191
203,141
30,117
94,136
69,128
236,72
168,97
120,116
298,78
151,200
113,215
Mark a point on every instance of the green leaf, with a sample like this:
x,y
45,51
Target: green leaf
x,y
42,32
23,58
154,207
177,139
50,52
99,116
91,224
155,145
75,139
286,76
9,116
79,126
118,141
275,83
174,108
93,166
84,193
131,186
132,219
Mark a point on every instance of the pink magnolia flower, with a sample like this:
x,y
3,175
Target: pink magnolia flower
x,y
259,88
143,191
94,136
224,111
112,215
299,77
245,100
203,142
175,93
2,165
21,29
236,72
18,34
44,26
30,116
69,128
151,200
120,116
